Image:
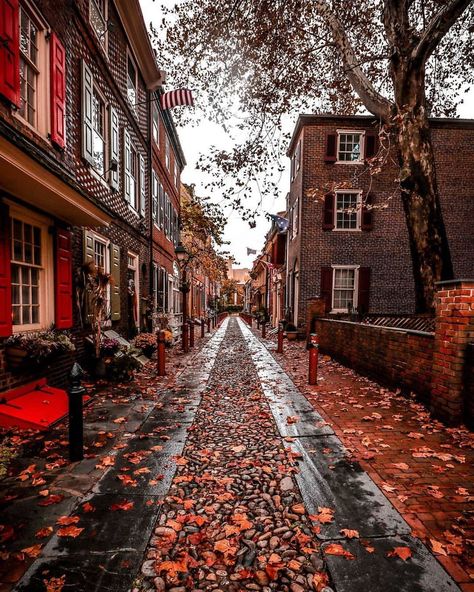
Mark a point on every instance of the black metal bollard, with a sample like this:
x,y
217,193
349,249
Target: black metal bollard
x,y
202,328
76,420
280,339
264,330
161,354
191,333
208,324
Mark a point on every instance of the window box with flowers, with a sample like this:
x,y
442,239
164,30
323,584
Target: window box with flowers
x,y
36,348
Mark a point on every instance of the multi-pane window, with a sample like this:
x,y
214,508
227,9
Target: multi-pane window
x,y
133,178
348,210
26,270
349,146
343,297
100,250
29,67
176,174
131,83
156,125
98,18
98,137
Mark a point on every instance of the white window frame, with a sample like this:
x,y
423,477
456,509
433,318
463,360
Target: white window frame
x,y
46,268
101,96
135,266
358,212
42,124
356,287
362,146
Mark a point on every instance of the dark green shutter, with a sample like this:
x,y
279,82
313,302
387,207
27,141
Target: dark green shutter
x,y
115,287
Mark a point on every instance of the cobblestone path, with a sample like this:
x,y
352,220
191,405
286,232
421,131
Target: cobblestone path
x,y
233,518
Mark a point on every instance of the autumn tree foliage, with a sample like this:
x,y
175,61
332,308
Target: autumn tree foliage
x,y
253,61
202,229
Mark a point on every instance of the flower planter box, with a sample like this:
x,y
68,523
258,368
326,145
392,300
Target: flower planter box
x,y
15,357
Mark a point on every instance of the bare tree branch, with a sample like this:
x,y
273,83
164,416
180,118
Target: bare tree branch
x,y
437,29
373,100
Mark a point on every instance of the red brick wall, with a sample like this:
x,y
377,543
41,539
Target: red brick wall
x,y
454,331
394,357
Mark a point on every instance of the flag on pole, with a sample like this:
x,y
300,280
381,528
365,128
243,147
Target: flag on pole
x,y
251,251
176,98
281,223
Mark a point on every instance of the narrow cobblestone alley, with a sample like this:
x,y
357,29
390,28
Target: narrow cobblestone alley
x,y
234,482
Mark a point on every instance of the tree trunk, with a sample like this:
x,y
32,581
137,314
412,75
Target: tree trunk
x,y
429,247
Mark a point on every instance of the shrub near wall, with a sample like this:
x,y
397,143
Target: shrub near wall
x,y
395,357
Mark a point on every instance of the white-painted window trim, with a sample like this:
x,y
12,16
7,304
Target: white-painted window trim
x,y
356,286
46,302
358,212
362,145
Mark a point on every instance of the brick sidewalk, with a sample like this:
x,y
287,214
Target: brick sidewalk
x,y
424,468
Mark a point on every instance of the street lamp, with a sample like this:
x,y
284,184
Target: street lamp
x,y
183,259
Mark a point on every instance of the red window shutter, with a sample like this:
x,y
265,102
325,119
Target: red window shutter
x,y
367,222
58,91
331,148
5,274
328,211
10,51
326,287
63,279
364,290
371,144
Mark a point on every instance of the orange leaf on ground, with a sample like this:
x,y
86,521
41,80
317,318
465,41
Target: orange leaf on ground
x,y
42,533
292,419
55,584
403,466
125,506
437,547
401,552
336,549
242,521
120,420
298,509
174,524
67,520
209,558
127,480
52,499
33,551
87,507
69,531
320,581
172,567
238,449
349,534
224,546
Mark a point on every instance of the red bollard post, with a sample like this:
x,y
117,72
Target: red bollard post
x,y
280,339
202,328
160,354
264,330
184,337
208,324
313,359
191,333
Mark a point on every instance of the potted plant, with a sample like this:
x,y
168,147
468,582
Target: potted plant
x,y
146,342
36,347
291,332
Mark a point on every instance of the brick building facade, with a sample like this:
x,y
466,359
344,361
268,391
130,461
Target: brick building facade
x,y
89,168
354,256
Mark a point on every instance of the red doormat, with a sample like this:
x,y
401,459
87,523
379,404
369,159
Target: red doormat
x,y
33,406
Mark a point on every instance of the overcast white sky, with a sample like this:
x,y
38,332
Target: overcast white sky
x,y
198,140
